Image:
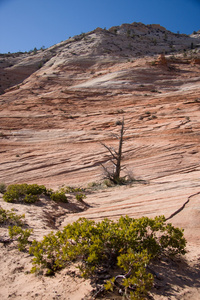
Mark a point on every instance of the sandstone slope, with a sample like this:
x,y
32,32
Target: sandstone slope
x,y
58,104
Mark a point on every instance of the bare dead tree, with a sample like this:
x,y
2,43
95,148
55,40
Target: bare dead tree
x,y
115,158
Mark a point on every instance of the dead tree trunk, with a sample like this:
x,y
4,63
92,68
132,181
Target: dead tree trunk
x,y
115,158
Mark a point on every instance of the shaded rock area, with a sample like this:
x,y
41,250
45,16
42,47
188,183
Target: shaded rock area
x,y
59,104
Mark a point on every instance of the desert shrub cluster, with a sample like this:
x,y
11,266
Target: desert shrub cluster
x,y
30,193
127,244
126,247
8,217
21,236
27,193
59,196
15,224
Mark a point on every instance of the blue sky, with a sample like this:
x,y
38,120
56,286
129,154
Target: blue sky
x,y
26,24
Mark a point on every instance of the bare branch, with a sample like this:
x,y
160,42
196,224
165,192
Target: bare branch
x,y
114,163
115,135
105,169
110,150
113,149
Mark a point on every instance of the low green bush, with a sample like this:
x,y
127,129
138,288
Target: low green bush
x,y
21,235
29,198
28,193
35,189
136,282
80,196
59,196
71,190
2,187
77,192
8,217
127,243
15,223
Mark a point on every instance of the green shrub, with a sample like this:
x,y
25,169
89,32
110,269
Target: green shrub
x,y
127,243
21,235
28,193
71,190
136,282
77,192
35,189
80,197
48,192
49,254
59,196
15,223
2,187
29,198
8,217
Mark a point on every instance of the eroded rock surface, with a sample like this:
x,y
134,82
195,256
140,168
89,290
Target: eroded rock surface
x,y
70,97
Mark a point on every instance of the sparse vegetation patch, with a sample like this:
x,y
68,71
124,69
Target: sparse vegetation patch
x,y
21,235
30,193
27,193
127,246
8,217
2,187
15,224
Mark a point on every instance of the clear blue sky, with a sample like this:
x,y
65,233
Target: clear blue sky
x,y
25,24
